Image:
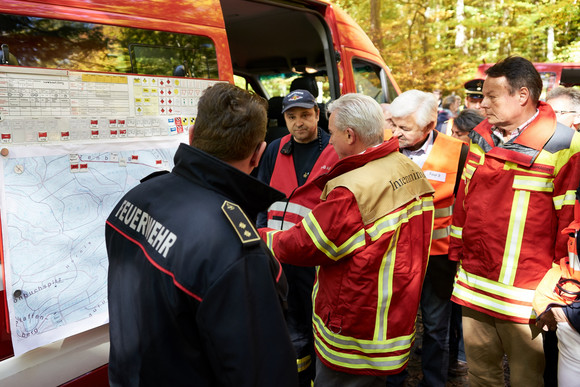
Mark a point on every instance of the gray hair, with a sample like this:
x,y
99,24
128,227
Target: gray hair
x,y
422,105
362,114
572,94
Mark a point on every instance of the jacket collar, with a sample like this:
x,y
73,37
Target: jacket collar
x,y
212,173
356,161
525,148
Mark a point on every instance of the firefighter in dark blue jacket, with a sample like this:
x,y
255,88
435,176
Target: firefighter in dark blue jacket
x,y
195,298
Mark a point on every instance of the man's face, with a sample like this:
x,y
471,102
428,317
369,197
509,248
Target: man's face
x,y
411,136
338,138
460,134
474,103
501,109
302,123
564,111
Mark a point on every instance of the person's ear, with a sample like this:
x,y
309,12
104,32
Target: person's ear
x,y
350,136
255,160
191,135
524,95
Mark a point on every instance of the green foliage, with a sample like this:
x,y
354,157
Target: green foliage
x,y
418,37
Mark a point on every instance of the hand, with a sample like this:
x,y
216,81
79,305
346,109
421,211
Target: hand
x,y
547,320
550,319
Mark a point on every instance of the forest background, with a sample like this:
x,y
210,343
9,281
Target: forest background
x,y
438,44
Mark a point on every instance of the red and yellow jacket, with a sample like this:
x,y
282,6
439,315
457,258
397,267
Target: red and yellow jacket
x,y
513,202
370,236
561,284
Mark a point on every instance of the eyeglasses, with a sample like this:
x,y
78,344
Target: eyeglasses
x,y
564,111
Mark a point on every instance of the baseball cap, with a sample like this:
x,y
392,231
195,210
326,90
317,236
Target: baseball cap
x,y
474,88
298,98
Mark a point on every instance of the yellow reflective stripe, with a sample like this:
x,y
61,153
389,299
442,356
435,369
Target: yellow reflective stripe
x,y
567,199
270,239
367,346
304,363
312,227
393,221
360,361
493,304
385,288
533,183
468,171
444,212
512,249
494,287
456,232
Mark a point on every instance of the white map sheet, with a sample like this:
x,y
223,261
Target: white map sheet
x,y
53,220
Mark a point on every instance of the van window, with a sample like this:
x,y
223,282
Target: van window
x,y
50,43
367,78
279,85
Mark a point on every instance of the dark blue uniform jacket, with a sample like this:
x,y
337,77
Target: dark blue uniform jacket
x,y
194,296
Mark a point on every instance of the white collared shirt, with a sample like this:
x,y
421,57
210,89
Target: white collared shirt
x,y
515,133
420,155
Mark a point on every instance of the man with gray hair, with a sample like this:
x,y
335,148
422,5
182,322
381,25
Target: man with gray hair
x,y
565,101
370,237
441,157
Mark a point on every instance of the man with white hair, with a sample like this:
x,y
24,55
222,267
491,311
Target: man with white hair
x,y
441,157
565,101
370,237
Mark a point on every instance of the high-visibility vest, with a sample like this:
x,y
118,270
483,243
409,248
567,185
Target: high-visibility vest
x,y
284,214
441,170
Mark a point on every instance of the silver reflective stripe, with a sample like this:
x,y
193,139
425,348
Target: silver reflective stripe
x,y
292,208
385,291
277,224
443,212
360,361
327,246
440,233
387,223
514,238
346,342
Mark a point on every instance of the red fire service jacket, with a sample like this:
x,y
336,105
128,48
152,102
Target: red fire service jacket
x,y
370,236
513,202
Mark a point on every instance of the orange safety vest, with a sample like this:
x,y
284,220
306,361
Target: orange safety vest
x,y
440,168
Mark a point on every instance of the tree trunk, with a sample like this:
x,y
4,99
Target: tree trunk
x,y
376,24
460,39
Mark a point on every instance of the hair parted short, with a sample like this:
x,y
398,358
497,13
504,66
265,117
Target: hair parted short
x,y
230,123
519,73
362,114
573,96
419,103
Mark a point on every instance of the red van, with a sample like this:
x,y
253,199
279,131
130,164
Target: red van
x,y
94,94
553,75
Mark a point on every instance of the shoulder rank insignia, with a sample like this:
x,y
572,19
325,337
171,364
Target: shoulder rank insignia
x,y
241,223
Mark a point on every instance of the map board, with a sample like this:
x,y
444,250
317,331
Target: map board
x,y
72,145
